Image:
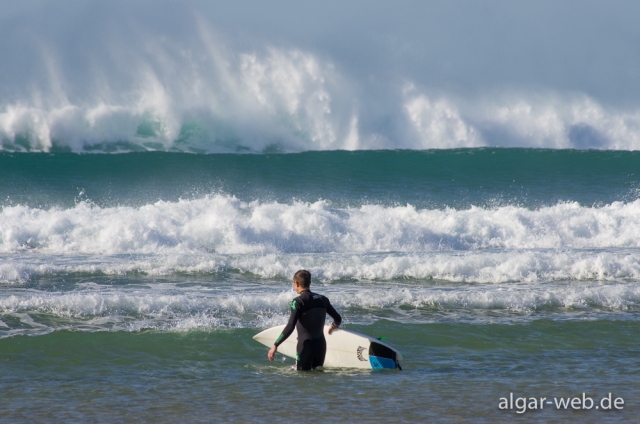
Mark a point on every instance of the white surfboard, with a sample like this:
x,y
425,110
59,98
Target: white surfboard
x,y
345,349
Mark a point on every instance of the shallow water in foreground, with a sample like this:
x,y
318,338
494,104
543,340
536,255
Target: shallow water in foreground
x,y
452,372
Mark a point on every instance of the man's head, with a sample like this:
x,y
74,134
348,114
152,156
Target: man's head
x,y
302,280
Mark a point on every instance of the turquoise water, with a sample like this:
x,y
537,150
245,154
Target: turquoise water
x,y
433,178
131,284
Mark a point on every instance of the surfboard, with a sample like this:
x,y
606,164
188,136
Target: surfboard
x,y
345,349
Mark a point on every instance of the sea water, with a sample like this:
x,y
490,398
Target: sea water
x,y
131,284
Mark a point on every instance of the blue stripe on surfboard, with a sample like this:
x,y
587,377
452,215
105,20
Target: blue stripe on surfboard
x,y
378,362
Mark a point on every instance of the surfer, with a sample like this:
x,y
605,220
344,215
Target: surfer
x,y
308,312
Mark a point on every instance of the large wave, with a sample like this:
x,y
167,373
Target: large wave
x,y
200,91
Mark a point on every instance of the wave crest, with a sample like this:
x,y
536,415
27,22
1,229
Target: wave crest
x,y
198,93
227,225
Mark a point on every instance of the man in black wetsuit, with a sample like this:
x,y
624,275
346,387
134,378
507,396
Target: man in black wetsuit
x,y
308,312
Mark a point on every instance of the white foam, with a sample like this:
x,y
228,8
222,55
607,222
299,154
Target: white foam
x,y
272,240
130,309
226,225
489,267
134,309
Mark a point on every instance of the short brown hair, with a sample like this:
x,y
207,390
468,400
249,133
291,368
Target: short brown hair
x,y
303,278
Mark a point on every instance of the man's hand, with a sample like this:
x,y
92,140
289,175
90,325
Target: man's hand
x,y
272,353
332,327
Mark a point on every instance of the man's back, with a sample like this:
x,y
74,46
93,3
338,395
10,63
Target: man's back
x,y
313,310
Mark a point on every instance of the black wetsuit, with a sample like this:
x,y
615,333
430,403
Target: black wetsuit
x,y
308,312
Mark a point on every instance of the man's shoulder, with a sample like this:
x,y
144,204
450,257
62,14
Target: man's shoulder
x,y
296,303
311,295
308,297
318,298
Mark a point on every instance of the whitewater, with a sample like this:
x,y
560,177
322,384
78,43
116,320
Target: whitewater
x,y
200,89
221,233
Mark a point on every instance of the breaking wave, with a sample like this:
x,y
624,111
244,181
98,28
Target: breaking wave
x,y
221,233
200,92
226,225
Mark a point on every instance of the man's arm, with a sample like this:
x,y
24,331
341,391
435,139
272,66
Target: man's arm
x,y
337,319
288,329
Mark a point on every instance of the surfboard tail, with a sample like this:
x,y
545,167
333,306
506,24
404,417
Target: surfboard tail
x,y
381,356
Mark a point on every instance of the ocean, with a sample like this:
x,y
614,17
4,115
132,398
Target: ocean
x,y
131,284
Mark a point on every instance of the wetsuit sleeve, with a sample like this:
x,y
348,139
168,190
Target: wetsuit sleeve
x,y
293,319
337,319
